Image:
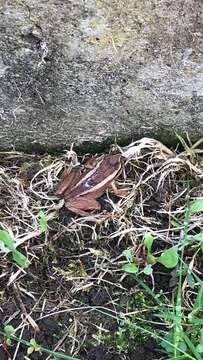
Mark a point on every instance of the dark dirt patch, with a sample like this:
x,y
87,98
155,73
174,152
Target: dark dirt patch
x,y
50,290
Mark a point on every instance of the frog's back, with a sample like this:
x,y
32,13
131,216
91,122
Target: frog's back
x,y
98,178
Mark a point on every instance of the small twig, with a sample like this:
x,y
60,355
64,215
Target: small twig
x,y
23,309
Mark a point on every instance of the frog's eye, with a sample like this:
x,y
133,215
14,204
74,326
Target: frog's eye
x,y
114,160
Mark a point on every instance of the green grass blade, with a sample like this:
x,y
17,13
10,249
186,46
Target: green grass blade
x,y
196,206
43,221
56,354
191,346
18,257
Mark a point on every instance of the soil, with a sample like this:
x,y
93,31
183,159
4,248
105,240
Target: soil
x,y
75,289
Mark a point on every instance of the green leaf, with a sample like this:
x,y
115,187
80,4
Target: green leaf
x,y
128,254
18,257
8,330
169,258
35,345
194,320
148,241
148,270
131,268
6,238
198,237
198,301
190,280
9,342
43,221
200,348
167,341
151,259
196,206
30,350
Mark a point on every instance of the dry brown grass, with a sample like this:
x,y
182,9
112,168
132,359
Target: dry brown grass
x,y
151,169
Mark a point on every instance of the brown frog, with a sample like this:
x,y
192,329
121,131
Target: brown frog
x,y
81,190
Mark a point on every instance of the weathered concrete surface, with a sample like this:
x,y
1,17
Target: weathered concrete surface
x,y
85,71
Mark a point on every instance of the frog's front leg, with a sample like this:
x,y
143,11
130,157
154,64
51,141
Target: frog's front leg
x,y
82,205
119,192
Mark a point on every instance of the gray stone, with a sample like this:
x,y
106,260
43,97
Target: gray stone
x,y
88,71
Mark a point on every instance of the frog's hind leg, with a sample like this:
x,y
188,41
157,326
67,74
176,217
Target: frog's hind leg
x,y
83,206
68,180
